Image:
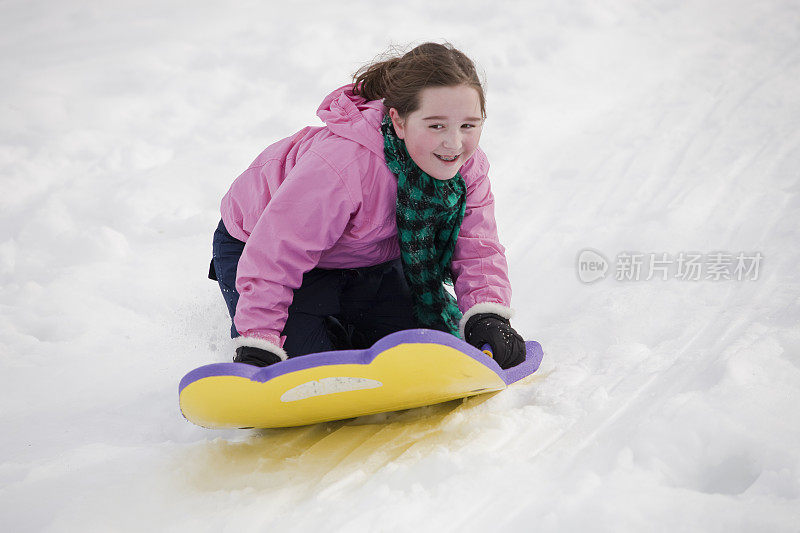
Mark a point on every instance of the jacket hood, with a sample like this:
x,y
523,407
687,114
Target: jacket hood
x,y
354,117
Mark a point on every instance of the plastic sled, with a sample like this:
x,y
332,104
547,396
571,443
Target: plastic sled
x,y
407,369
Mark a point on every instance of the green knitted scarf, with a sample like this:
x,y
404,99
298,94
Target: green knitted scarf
x,y
429,215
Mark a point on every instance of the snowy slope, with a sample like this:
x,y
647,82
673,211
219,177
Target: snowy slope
x,y
652,128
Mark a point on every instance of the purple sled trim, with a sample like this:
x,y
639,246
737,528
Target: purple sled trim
x,y
533,359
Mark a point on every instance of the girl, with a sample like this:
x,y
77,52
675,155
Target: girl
x,y
341,234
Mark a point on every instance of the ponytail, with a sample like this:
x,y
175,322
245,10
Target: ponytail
x,y
373,80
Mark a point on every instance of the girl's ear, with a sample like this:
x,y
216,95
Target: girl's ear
x,y
398,123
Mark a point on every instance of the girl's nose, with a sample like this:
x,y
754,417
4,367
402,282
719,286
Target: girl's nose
x,y
452,141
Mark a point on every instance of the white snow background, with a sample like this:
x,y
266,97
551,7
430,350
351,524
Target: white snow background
x,y
655,127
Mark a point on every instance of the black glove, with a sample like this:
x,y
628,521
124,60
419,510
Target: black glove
x,y
508,348
255,356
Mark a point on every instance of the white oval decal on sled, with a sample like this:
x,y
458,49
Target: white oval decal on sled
x,y
328,386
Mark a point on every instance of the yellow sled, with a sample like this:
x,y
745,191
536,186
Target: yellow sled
x,y
406,369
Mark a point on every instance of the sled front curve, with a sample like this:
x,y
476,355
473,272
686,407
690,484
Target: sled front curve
x,y
406,369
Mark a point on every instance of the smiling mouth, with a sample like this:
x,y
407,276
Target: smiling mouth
x,y
447,159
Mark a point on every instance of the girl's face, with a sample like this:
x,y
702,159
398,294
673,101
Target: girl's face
x,y
444,132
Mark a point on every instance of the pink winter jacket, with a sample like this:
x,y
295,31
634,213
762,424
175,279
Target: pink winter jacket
x,y
324,197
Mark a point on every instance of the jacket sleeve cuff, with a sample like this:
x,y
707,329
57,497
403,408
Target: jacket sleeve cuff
x,y
264,344
485,307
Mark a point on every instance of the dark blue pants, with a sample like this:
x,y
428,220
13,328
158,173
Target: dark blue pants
x,y
366,303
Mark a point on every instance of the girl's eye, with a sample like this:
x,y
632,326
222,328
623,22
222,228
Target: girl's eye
x,y
440,126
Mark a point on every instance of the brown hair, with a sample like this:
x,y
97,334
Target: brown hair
x,y
398,80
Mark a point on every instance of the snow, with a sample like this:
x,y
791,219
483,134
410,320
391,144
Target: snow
x,y
621,127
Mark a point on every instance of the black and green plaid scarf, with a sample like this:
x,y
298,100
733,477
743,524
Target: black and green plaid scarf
x,y
429,215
